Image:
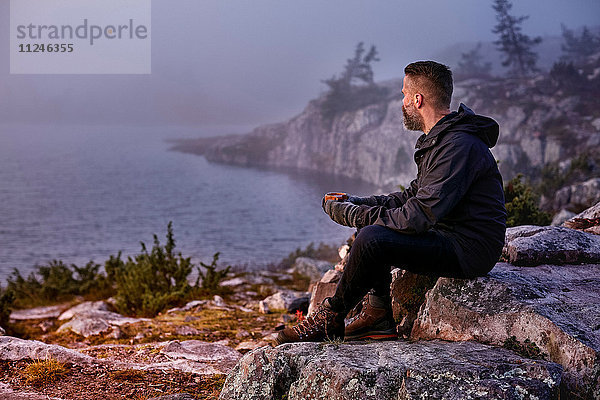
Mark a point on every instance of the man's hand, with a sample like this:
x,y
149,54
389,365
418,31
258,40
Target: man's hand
x,y
358,200
342,212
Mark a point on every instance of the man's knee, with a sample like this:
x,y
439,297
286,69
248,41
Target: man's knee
x,y
369,235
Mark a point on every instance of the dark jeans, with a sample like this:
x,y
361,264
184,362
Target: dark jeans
x,y
377,248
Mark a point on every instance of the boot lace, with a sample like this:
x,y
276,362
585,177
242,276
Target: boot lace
x,y
315,323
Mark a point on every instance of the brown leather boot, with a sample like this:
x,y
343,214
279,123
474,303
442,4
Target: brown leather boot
x,y
323,324
376,323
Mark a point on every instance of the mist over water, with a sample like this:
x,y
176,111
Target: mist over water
x,y
84,193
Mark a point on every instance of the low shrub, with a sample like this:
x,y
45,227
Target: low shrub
x,y
57,282
522,205
7,299
151,281
211,279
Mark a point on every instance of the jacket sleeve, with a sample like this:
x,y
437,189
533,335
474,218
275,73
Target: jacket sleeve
x,y
445,180
392,200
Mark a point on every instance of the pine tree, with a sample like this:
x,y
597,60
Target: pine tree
x,y
516,46
355,87
577,49
472,66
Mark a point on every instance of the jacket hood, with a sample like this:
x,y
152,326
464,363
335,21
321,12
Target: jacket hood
x,y
467,121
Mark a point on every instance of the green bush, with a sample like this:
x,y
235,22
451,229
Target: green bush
x,y
521,205
212,278
151,281
7,298
56,282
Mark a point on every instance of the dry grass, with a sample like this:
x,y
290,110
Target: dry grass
x,y
128,375
43,372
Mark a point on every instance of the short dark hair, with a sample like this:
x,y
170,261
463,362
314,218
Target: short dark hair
x,y
434,79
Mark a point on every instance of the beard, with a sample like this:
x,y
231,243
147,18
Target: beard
x,y
413,121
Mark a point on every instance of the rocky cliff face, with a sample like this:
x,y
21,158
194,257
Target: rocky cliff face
x,y
370,144
545,122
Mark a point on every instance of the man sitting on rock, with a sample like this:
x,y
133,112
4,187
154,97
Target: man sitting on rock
x,y
450,221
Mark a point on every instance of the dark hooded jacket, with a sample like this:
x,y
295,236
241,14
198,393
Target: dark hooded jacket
x,y
458,192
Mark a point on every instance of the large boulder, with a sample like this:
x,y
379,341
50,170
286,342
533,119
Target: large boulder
x,y
390,370
310,267
530,245
556,308
283,300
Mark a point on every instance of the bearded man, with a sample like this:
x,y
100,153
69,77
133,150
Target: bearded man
x,y
450,221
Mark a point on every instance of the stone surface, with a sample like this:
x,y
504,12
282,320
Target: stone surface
x,y
233,282
193,356
581,220
389,370
299,304
283,299
83,308
7,393
578,196
310,267
530,245
189,306
39,312
555,307
321,290
190,352
331,276
249,345
561,217
263,307
94,322
186,330
408,293
14,349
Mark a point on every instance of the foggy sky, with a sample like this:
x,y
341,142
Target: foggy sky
x,y
245,63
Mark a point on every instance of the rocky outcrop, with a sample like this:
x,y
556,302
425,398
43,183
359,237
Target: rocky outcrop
x,y
557,308
351,148
541,124
530,245
390,370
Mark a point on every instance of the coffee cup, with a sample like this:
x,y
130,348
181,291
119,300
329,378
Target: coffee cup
x,y
336,196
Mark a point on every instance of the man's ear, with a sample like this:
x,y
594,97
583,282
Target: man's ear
x,y
418,100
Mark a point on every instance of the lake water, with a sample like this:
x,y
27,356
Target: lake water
x,y
84,193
